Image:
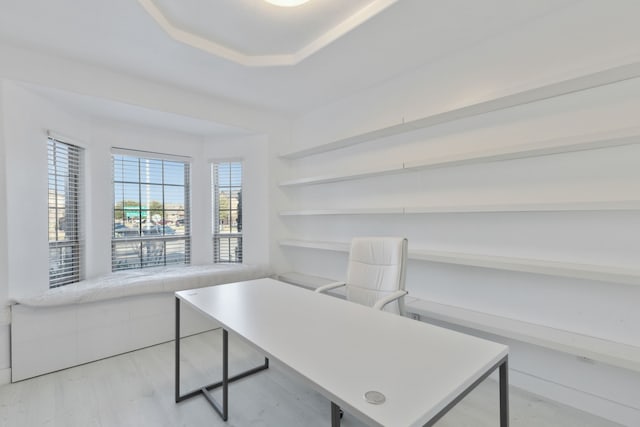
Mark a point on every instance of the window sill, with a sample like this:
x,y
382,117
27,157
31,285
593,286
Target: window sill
x,y
145,281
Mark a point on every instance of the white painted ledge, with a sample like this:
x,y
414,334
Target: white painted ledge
x,y
359,211
577,206
310,282
598,349
536,266
609,352
326,246
536,149
603,273
326,179
501,102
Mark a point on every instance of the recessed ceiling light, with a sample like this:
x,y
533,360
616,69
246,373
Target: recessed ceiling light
x,y
287,3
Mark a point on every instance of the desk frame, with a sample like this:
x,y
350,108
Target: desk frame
x,y
221,408
503,366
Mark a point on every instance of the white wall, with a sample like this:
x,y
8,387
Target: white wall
x,y
588,37
52,71
26,120
4,289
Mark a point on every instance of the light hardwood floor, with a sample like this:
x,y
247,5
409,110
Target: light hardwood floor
x,y
136,389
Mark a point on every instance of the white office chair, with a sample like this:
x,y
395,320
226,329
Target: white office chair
x,y
376,273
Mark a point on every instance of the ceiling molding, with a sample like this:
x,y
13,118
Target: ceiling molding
x,y
280,60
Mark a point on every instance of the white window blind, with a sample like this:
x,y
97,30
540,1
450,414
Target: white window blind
x,y
64,201
151,214
226,183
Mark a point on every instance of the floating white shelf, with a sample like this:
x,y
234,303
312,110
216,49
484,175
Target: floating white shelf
x,y
367,211
304,280
596,205
536,266
325,179
577,84
327,246
536,149
554,268
613,353
310,282
601,205
598,349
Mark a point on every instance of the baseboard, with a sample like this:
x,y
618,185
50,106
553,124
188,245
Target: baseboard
x,y
5,356
5,376
581,400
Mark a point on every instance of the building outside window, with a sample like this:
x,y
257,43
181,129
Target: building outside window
x,y
65,203
226,183
151,210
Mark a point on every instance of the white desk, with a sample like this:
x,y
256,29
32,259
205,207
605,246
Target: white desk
x,y
345,350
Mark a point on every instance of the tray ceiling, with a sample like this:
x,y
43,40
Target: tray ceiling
x,y
256,33
348,50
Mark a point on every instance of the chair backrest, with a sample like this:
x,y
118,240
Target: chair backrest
x,y
377,267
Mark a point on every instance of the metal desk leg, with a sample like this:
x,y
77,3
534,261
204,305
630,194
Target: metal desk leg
x,y
177,355
335,415
222,410
504,393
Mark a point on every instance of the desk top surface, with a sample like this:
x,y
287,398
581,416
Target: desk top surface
x,y
345,349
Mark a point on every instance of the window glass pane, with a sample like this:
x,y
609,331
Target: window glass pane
x,y
130,194
125,230
174,173
63,264
126,255
118,173
152,253
151,196
235,176
224,202
151,171
64,201
53,224
233,222
227,211
228,249
175,251
118,192
130,169
174,197
150,213
126,195
174,219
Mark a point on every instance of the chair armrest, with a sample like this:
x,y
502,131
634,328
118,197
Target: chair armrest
x,y
379,305
329,286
